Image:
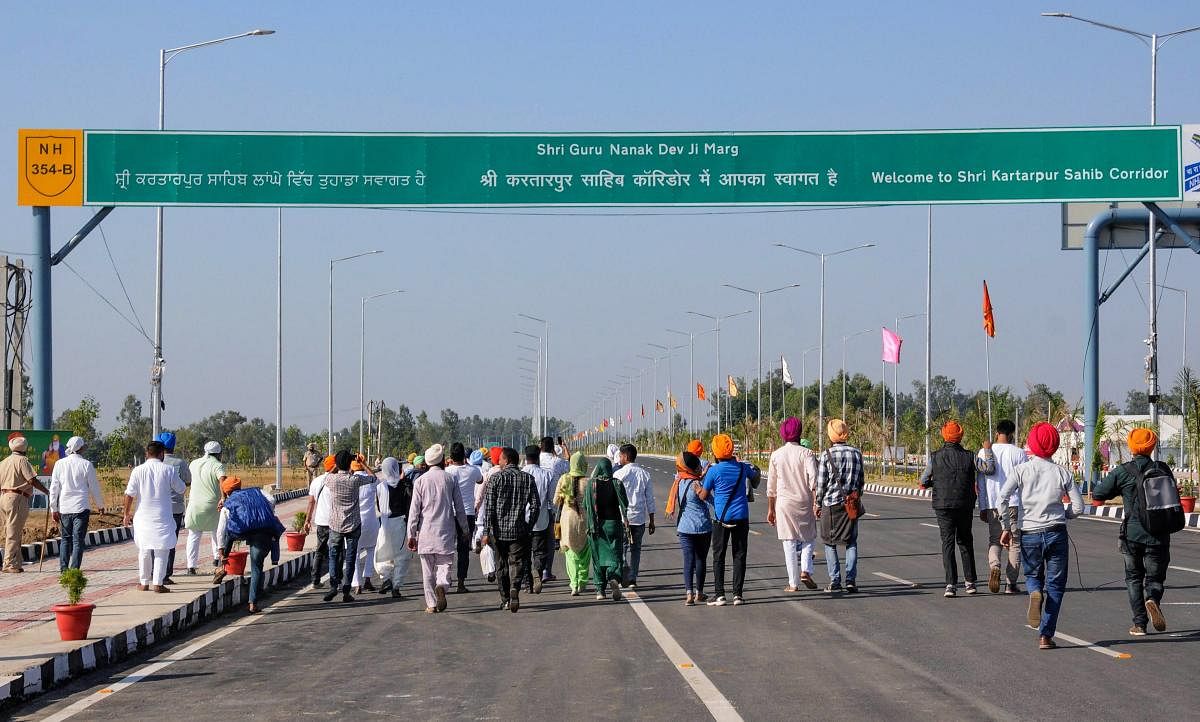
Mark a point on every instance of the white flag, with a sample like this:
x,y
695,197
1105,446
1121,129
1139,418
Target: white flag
x,y
787,375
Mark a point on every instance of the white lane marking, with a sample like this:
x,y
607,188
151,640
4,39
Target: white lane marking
x,y
1182,604
1184,569
756,532
931,526
898,580
718,705
872,514
1095,648
178,656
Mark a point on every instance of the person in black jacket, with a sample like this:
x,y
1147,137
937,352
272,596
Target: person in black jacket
x,y
951,475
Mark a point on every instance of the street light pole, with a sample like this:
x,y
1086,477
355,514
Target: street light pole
x,y
1154,41
539,423
758,296
362,361
166,55
545,370
896,387
691,372
821,355
717,330
844,340
332,263
1182,390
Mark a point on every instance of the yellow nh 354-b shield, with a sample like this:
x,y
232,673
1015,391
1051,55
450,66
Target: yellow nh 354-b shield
x,y
51,168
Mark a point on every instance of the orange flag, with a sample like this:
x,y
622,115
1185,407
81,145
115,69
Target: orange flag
x,y
700,392
733,389
672,398
989,321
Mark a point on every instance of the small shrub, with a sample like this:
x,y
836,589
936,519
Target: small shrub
x,y
74,582
298,521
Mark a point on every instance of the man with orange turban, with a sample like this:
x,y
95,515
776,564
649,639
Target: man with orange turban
x,y
318,516
951,475
839,485
1146,554
725,488
1040,485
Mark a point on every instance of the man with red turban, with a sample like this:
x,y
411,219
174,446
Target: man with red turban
x,y
1147,555
1042,521
951,475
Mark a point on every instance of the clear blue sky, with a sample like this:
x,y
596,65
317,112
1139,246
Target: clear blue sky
x,y
609,284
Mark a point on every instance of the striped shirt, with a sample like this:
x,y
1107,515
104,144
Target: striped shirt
x,y
342,488
839,472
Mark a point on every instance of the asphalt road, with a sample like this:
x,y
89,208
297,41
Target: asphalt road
x,y
891,652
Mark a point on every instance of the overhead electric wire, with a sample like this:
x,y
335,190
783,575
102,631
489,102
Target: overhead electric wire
x,y
121,281
116,310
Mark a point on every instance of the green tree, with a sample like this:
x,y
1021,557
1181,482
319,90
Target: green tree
x,y
137,425
81,420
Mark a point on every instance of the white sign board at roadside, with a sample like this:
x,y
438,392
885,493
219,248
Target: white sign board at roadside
x,y
1190,140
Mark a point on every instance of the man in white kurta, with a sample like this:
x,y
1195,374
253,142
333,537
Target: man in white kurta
x,y
364,564
151,485
201,515
435,521
791,487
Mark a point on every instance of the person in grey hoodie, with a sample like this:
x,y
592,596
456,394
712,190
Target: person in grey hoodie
x,y
1042,521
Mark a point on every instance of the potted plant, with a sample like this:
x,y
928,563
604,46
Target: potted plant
x,y
235,563
73,618
295,537
1187,495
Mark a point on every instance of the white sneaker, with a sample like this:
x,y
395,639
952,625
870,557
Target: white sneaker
x,y
718,602
737,601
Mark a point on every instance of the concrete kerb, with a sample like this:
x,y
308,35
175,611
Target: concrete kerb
x,y
100,537
26,675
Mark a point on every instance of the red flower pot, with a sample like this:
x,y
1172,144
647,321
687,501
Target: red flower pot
x,y
74,620
295,541
1188,503
1097,502
235,563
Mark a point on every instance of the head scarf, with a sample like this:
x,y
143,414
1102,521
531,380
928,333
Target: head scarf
x,y
230,485
494,452
75,444
603,470
687,465
411,455
838,431
695,446
18,444
329,463
1142,441
476,458
1043,440
212,448
434,455
167,439
952,432
790,429
722,447
389,471
418,460
579,467
613,453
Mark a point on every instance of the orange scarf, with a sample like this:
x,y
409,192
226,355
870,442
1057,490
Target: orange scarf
x,y
681,473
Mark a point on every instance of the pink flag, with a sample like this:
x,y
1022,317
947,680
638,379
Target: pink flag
x,y
891,346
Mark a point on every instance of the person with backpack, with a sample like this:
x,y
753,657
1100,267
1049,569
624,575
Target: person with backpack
x,y
725,484
1040,485
693,526
248,515
394,496
1152,514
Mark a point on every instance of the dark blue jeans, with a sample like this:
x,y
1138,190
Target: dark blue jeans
x,y
343,551
1045,556
259,551
1145,572
637,531
74,529
695,560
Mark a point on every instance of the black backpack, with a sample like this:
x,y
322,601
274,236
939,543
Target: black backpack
x,y
399,498
1158,508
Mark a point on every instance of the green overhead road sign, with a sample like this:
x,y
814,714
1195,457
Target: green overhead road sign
x,y
496,169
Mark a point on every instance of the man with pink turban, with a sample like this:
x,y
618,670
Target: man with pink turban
x,y
1042,521
791,485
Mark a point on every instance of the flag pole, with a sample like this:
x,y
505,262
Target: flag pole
x,y
987,360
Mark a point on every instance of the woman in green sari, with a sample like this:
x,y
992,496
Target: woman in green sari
x,y
576,545
605,503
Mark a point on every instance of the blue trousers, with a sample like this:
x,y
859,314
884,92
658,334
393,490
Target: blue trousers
x,y
695,560
343,552
74,529
1045,556
259,552
637,531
